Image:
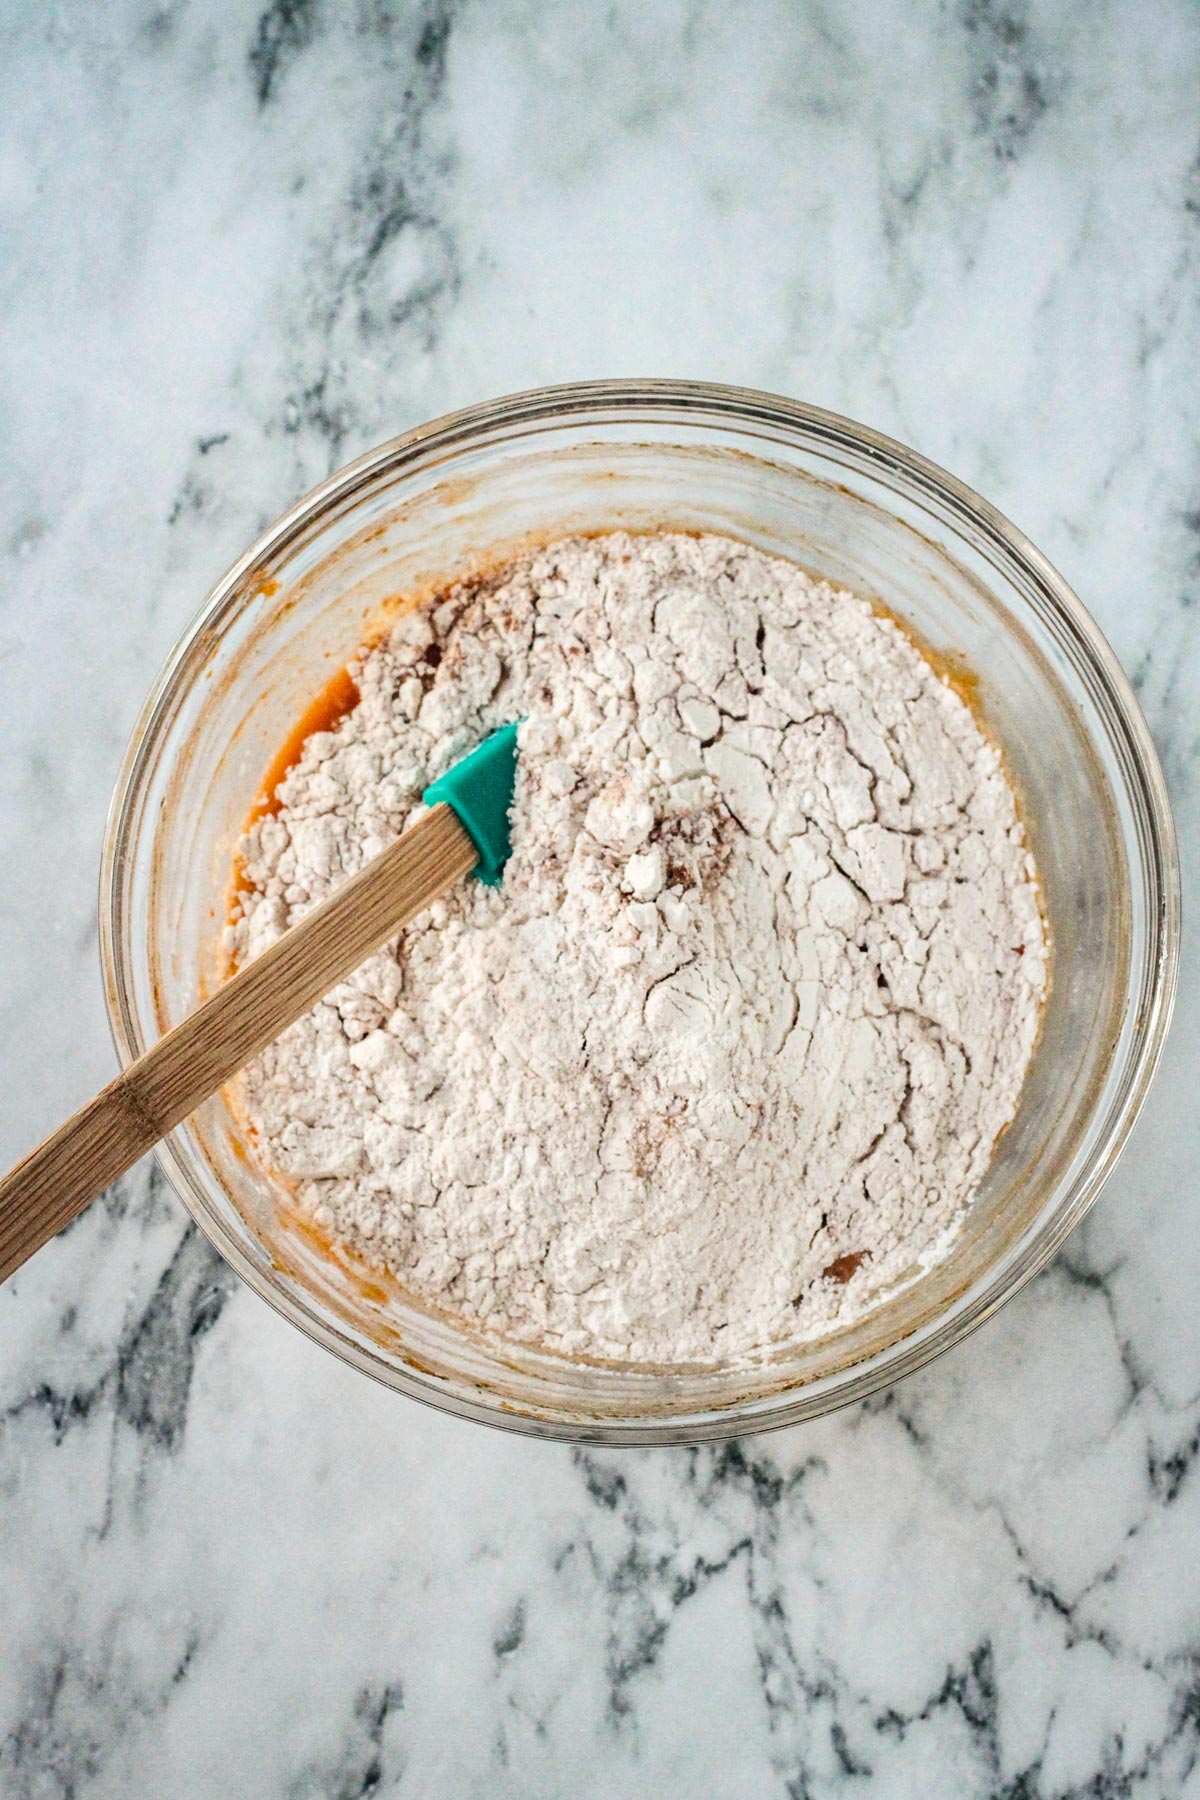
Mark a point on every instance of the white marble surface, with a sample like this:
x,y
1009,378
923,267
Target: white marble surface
x,y
237,247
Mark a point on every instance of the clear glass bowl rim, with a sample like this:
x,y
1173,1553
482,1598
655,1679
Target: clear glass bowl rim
x,y
619,401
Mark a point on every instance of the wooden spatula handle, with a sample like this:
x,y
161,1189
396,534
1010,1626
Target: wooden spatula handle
x,y
160,1089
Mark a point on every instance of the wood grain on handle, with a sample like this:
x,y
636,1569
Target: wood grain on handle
x,y
160,1089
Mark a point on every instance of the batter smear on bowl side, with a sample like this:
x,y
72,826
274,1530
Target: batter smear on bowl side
x,y
729,1050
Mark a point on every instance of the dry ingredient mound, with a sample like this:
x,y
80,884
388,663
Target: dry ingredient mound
x,y
728,1051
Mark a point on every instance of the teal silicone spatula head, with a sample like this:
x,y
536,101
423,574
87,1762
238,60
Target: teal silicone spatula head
x,y
480,790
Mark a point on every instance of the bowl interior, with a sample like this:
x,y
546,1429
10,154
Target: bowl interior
x,y
391,531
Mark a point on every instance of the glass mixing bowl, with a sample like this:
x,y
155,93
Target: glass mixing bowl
x,y
842,501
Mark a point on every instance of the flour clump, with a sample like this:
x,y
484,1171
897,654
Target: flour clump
x,y
727,1053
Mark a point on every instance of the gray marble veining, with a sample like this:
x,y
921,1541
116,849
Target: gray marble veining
x,y
240,244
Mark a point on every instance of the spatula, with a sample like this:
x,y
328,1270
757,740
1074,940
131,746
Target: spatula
x,y
465,830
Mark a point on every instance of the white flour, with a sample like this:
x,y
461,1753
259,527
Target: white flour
x,y
729,1049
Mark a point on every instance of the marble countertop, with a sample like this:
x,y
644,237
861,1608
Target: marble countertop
x,y
238,246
